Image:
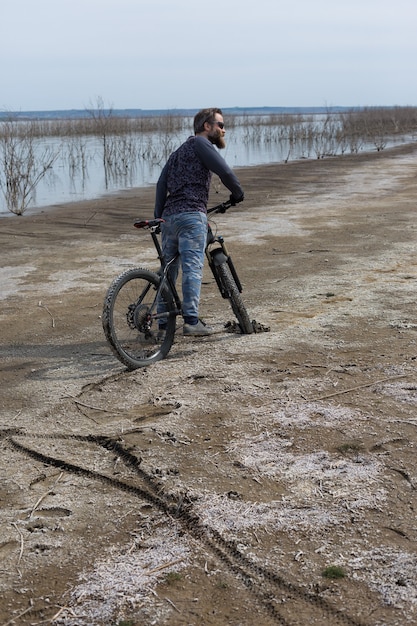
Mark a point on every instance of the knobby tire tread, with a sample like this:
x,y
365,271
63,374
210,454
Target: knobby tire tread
x,y
235,299
138,280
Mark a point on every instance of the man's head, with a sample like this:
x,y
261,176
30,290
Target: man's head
x,y
209,122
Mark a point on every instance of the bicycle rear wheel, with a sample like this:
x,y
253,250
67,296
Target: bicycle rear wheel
x,y
233,295
130,318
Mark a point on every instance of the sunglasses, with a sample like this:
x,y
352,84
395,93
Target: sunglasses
x,y
219,124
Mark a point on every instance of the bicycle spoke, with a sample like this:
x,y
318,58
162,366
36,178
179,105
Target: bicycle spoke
x,y
133,312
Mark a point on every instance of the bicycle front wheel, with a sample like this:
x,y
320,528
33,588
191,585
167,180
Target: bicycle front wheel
x,y
131,319
233,295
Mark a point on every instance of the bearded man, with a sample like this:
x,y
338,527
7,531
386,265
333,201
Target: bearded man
x,y
182,193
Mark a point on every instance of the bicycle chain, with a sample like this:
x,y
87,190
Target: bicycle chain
x,y
251,574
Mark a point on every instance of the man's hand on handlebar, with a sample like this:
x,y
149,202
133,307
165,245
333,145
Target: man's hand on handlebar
x,y
222,208
234,201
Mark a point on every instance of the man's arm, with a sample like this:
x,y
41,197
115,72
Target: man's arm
x,y
161,192
212,160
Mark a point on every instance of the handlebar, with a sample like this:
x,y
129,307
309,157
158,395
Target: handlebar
x,y
221,208
148,223
155,223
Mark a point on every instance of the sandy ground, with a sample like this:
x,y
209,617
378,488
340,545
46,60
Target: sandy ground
x,y
218,486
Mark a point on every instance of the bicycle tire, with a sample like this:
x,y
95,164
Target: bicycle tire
x,y
235,299
129,318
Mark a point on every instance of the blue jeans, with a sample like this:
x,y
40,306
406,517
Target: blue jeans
x,y
186,234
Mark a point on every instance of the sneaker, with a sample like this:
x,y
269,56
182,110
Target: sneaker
x,y
197,330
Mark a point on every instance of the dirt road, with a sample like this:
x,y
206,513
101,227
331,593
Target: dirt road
x,y
263,479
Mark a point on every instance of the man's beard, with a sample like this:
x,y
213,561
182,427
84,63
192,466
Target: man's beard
x,y
217,140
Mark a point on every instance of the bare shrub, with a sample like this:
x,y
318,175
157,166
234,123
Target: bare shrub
x,y
128,142
23,164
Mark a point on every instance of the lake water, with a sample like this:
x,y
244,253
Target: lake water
x,y
78,173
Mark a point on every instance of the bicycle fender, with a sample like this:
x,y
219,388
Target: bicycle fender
x,y
218,257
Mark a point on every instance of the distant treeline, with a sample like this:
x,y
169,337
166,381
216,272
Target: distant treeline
x,y
133,113
339,123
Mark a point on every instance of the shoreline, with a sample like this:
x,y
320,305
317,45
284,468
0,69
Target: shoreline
x,y
243,171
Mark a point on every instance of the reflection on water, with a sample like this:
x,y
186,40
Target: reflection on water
x,y
80,172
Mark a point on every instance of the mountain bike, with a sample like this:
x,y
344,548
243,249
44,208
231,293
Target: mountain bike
x,y
140,303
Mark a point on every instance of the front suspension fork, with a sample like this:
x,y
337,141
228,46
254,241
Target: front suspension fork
x,y
218,256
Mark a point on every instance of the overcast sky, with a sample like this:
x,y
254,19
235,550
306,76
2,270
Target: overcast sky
x,y
159,54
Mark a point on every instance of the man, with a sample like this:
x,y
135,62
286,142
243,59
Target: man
x,y
181,200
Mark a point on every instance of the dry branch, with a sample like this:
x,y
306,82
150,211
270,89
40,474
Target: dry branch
x,y
45,495
375,382
88,406
172,604
14,620
163,566
21,542
48,311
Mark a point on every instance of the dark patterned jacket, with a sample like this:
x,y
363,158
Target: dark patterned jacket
x,y
184,183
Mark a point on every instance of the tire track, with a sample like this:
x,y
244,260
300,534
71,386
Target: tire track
x,y
262,583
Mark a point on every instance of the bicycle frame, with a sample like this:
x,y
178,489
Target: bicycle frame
x,y
215,256
218,258
141,306
164,269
